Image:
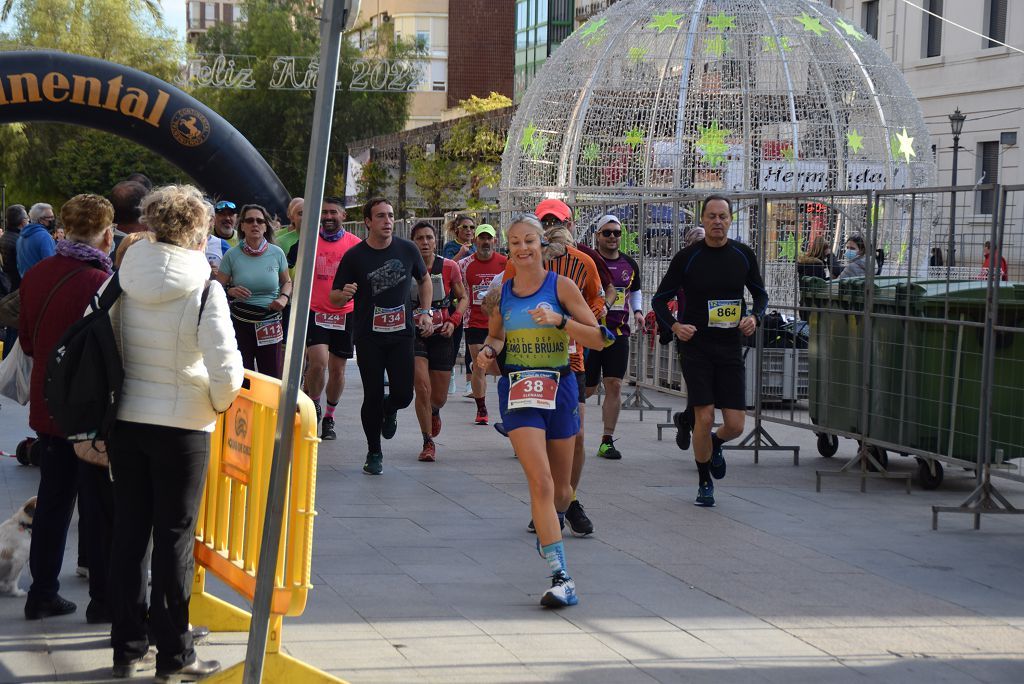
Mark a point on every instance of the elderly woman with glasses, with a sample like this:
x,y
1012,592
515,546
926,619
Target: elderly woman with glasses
x,y
255,275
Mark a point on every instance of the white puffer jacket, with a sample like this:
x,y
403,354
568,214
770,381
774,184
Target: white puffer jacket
x,y
179,371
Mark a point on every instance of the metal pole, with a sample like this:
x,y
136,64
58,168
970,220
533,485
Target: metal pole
x,y
951,248
331,25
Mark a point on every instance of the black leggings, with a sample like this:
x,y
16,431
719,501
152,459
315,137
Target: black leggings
x,y
374,359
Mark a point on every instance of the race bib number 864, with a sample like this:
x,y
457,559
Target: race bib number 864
x,y
724,313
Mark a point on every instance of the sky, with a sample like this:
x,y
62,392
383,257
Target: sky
x,y
174,16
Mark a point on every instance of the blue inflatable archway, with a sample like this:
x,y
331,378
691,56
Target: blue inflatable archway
x,y
54,86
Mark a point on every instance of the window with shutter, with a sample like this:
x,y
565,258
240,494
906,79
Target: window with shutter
x,y
995,22
988,172
932,42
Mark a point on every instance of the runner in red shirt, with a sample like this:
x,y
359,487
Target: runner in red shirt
x,y
478,271
435,352
328,342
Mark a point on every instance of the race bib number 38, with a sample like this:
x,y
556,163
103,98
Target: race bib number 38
x,y
724,313
532,389
388,319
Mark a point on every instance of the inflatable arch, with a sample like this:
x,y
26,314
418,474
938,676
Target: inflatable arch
x,y
46,85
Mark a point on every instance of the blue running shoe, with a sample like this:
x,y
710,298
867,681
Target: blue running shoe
x,y
705,495
717,466
562,592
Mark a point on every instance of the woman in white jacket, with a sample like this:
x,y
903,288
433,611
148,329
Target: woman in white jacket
x,y
182,368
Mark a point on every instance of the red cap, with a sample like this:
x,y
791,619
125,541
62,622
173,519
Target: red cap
x,y
554,207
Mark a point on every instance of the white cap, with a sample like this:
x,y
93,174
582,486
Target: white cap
x,y
606,219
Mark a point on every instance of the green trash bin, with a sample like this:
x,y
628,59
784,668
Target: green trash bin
x,y
944,386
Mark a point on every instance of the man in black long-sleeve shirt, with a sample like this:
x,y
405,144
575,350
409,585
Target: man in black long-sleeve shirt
x,y
712,275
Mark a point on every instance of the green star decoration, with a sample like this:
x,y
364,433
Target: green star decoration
x,y
711,143
810,23
906,146
630,243
854,141
716,45
591,153
773,44
787,154
849,29
787,248
894,147
637,55
635,137
532,140
593,26
664,21
722,21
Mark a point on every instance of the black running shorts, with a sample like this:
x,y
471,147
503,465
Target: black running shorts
x,y
714,374
438,350
611,362
475,336
339,342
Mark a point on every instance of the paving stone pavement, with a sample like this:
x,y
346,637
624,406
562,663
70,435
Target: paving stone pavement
x,y
427,573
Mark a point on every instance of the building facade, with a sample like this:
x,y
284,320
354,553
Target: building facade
x,y
949,68
480,48
203,15
540,27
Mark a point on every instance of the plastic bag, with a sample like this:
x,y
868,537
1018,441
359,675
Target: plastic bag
x,y
16,375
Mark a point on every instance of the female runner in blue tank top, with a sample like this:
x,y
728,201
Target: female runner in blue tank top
x,y
529,331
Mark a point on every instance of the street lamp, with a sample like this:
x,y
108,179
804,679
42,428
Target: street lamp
x,y
956,125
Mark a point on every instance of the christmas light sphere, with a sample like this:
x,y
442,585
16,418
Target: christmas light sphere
x,y
733,95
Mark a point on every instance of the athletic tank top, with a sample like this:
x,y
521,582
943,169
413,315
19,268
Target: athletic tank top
x,y
528,345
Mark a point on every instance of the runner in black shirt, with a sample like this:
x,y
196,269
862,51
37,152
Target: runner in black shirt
x,y
379,274
712,275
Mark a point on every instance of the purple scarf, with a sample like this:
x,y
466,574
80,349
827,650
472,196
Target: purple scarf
x,y
84,252
332,237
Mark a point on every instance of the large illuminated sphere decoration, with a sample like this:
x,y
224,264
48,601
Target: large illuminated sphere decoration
x,y
736,95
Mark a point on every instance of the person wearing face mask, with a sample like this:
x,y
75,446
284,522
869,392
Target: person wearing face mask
x,y
35,243
854,257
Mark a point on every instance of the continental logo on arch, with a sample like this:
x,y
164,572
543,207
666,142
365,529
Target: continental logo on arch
x,y
189,127
86,91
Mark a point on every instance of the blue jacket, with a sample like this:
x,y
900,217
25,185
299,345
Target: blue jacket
x,y
34,245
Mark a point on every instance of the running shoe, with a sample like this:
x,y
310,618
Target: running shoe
x,y
499,427
562,592
717,463
579,523
374,463
452,385
327,429
481,416
608,450
435,424
705,495
683,429
533,530
428,453
389,426
469,390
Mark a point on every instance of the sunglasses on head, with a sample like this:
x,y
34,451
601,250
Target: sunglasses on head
x,y
254,219
610,233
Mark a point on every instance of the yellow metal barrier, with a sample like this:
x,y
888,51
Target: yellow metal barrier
x,y
228,531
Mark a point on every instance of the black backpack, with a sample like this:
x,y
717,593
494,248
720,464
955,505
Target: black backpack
x,y
85,374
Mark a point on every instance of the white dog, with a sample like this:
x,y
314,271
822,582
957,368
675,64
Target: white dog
x,y
15,540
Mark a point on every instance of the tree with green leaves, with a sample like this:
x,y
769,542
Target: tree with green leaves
x,y
48,162
374,180
278,122
478,147
439,179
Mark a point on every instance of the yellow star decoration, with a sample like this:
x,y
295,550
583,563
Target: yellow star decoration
x,y
906,144
634,137
849,29
664,21
773,44
810,23
593,27
722,21
637,55
712,144
854,140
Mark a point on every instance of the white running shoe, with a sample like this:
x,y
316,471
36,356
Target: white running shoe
x,y
562,592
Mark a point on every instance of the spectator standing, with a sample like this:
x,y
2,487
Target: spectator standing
x,y
182,368
53,296
1004,273
17,218
34,242
855,266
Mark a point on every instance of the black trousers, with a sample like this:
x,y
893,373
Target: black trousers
x,y
375,358
159,474
55,502
265,359
96,527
